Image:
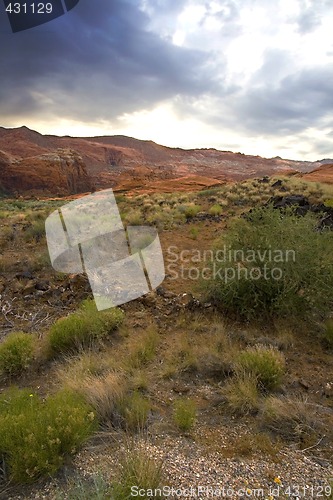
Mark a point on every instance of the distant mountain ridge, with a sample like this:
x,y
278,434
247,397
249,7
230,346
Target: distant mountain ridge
x,y
123,163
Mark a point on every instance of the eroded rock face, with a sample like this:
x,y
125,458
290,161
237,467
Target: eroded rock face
x,y
62,172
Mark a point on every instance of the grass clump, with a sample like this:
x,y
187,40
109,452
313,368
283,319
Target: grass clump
x,y
36,231
134,409
266,364
141,350
16,353
104,393
296,420
138,469
242,394
93,488
36,435
184,414
328,333
82,328
273,265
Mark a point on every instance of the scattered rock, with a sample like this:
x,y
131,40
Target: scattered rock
x,y
328,389
24,275
264,180
212,366
277,184
42,285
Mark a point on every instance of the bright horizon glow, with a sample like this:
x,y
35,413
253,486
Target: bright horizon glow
x,y
79,130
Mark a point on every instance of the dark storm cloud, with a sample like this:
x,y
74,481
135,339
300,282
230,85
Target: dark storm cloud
x,y
97,62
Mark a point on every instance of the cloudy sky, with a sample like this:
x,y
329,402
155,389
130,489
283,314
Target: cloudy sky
x,y
254,76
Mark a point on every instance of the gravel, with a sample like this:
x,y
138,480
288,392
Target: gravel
x,y
190,472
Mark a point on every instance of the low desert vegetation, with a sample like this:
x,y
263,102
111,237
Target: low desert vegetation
x,y
184,414
82,328
238,353
265,364
296,419
17,353
134,409
242,394
275,266
328,333
37,435
139,468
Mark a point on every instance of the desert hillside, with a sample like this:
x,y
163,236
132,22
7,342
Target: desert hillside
x,y
123,163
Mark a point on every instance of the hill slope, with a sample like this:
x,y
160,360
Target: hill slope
x,y
124,163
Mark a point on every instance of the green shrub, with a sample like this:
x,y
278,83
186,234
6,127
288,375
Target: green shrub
x,y
329,203
273,264
215,210
184,414
83,327
264,363
16,353
36,435
190,210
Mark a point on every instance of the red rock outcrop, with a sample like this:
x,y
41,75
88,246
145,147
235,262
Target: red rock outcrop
x,y
321,174
59,173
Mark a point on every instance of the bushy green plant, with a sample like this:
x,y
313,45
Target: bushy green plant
x,y
266,364
16,353
215,209
189,210
184,414
83,327
36,435
273,264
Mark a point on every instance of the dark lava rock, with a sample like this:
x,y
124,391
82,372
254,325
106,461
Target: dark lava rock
x,y
264,180
211,366
24,275
42,285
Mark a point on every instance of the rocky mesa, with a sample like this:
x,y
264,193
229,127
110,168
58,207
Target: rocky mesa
x,y
60,173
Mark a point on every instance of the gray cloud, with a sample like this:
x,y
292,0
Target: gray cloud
x,y
105,59
99,61
296,102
